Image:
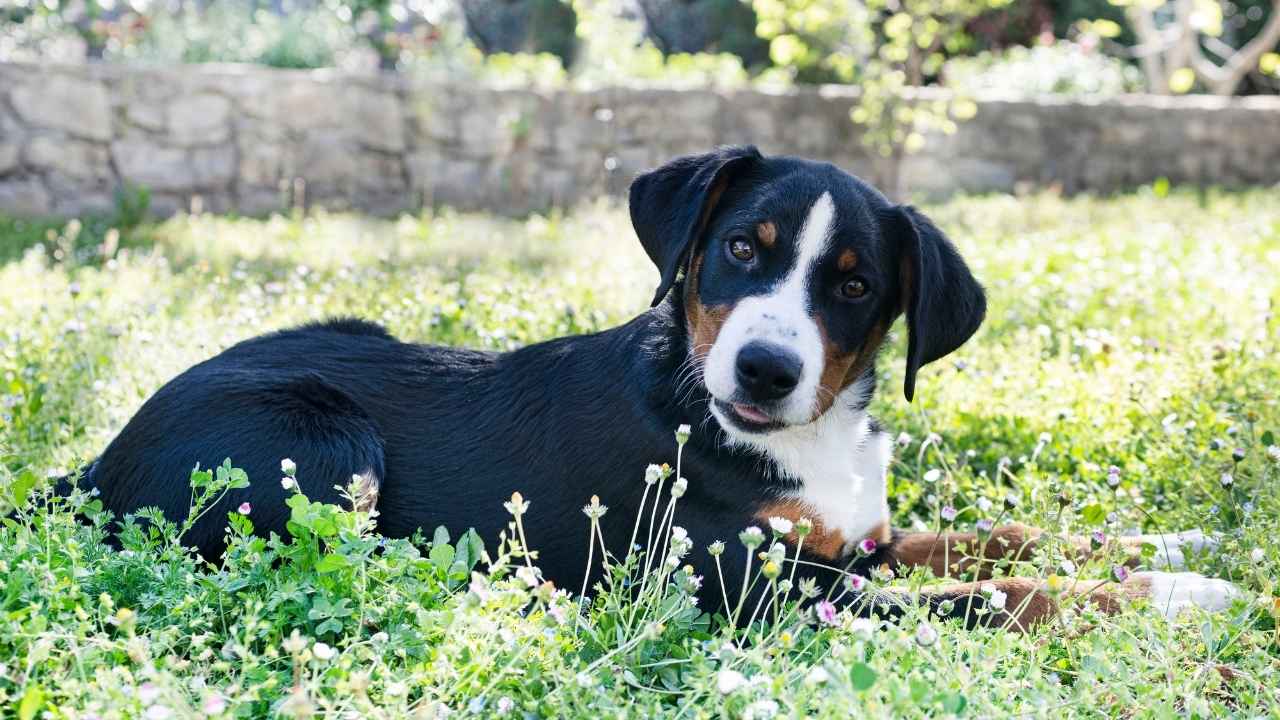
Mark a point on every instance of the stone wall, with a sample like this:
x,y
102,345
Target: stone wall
x,y
254,140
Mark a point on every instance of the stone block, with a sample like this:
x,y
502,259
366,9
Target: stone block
x,y
9,155
70,157
203,119
25,196
63,102
142,162
213,167
377,119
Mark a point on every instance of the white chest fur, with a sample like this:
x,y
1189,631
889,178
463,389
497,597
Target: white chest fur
x,y
838,463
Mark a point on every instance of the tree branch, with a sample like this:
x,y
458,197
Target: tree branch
x,y
1240,64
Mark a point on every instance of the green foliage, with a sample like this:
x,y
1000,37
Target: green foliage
x,y
233,32
884,48
1137,331
1064,68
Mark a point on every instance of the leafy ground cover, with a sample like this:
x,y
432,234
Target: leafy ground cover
x,y
1138,332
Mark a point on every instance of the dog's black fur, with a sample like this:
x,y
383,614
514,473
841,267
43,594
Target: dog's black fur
x,y
448,434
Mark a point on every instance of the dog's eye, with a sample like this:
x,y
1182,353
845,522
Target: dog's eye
x,y
742,250
853,288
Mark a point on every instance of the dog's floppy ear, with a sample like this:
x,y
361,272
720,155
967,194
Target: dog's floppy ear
x,y
943,301
671,205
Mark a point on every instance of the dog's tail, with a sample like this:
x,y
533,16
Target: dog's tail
x,y
81,479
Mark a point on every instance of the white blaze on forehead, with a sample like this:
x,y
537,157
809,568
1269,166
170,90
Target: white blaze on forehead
x,y
781,316
815,236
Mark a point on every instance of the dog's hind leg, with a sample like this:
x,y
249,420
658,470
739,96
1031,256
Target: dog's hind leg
x,y
257,420
1021,603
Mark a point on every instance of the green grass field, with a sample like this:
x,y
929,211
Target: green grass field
x,y
1139,331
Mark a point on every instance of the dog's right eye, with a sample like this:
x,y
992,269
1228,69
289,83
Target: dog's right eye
x,y
742,250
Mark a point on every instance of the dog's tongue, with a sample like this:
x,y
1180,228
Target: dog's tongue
x,y
751,413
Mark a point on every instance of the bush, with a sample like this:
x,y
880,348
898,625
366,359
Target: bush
x,y
232,33
522,26
1063,68
705,26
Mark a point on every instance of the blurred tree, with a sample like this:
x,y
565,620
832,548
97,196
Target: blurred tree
x,y
1181,44
694,26
522,26
889,49
97,23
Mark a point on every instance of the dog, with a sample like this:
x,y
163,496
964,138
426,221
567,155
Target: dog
x,y
780,278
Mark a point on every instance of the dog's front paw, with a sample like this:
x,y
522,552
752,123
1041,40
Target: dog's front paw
x,y
1172,549
1173,592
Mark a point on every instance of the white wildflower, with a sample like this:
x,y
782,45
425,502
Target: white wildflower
x,y
780,525
323,651
926,635
729,680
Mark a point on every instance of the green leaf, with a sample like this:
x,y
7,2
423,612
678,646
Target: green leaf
x,y
332,563
442,556
31,702
22,486
324,527
200,478
862,676
1093,514
441,536
954,703
920,690
470,548
1268,438
1148,550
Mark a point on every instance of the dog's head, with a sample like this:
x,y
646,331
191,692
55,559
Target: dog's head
x,y
794,271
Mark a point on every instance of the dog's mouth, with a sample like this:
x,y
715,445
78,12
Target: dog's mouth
x,y
749,418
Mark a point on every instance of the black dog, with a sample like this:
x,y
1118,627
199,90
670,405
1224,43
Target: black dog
x,y
780,279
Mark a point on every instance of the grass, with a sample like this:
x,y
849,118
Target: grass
x,y
1138,331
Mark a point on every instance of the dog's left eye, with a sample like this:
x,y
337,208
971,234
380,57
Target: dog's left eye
x,y
742,250
852,289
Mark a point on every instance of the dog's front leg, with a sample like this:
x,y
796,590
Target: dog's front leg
x,y
961,554
1020,603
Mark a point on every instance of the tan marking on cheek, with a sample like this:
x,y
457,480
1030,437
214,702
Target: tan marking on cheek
x,y
847,261
704,322
841,369
826,543
768,234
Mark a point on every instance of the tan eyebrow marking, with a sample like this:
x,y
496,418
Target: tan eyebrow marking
x,y
848,260
768,234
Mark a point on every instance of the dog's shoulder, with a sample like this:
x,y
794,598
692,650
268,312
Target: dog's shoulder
x,y
320,336
344,326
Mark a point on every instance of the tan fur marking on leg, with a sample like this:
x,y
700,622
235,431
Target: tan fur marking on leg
x,y
1028,602
824,542
953,553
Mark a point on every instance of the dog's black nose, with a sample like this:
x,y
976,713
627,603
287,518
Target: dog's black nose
x,y
767,372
